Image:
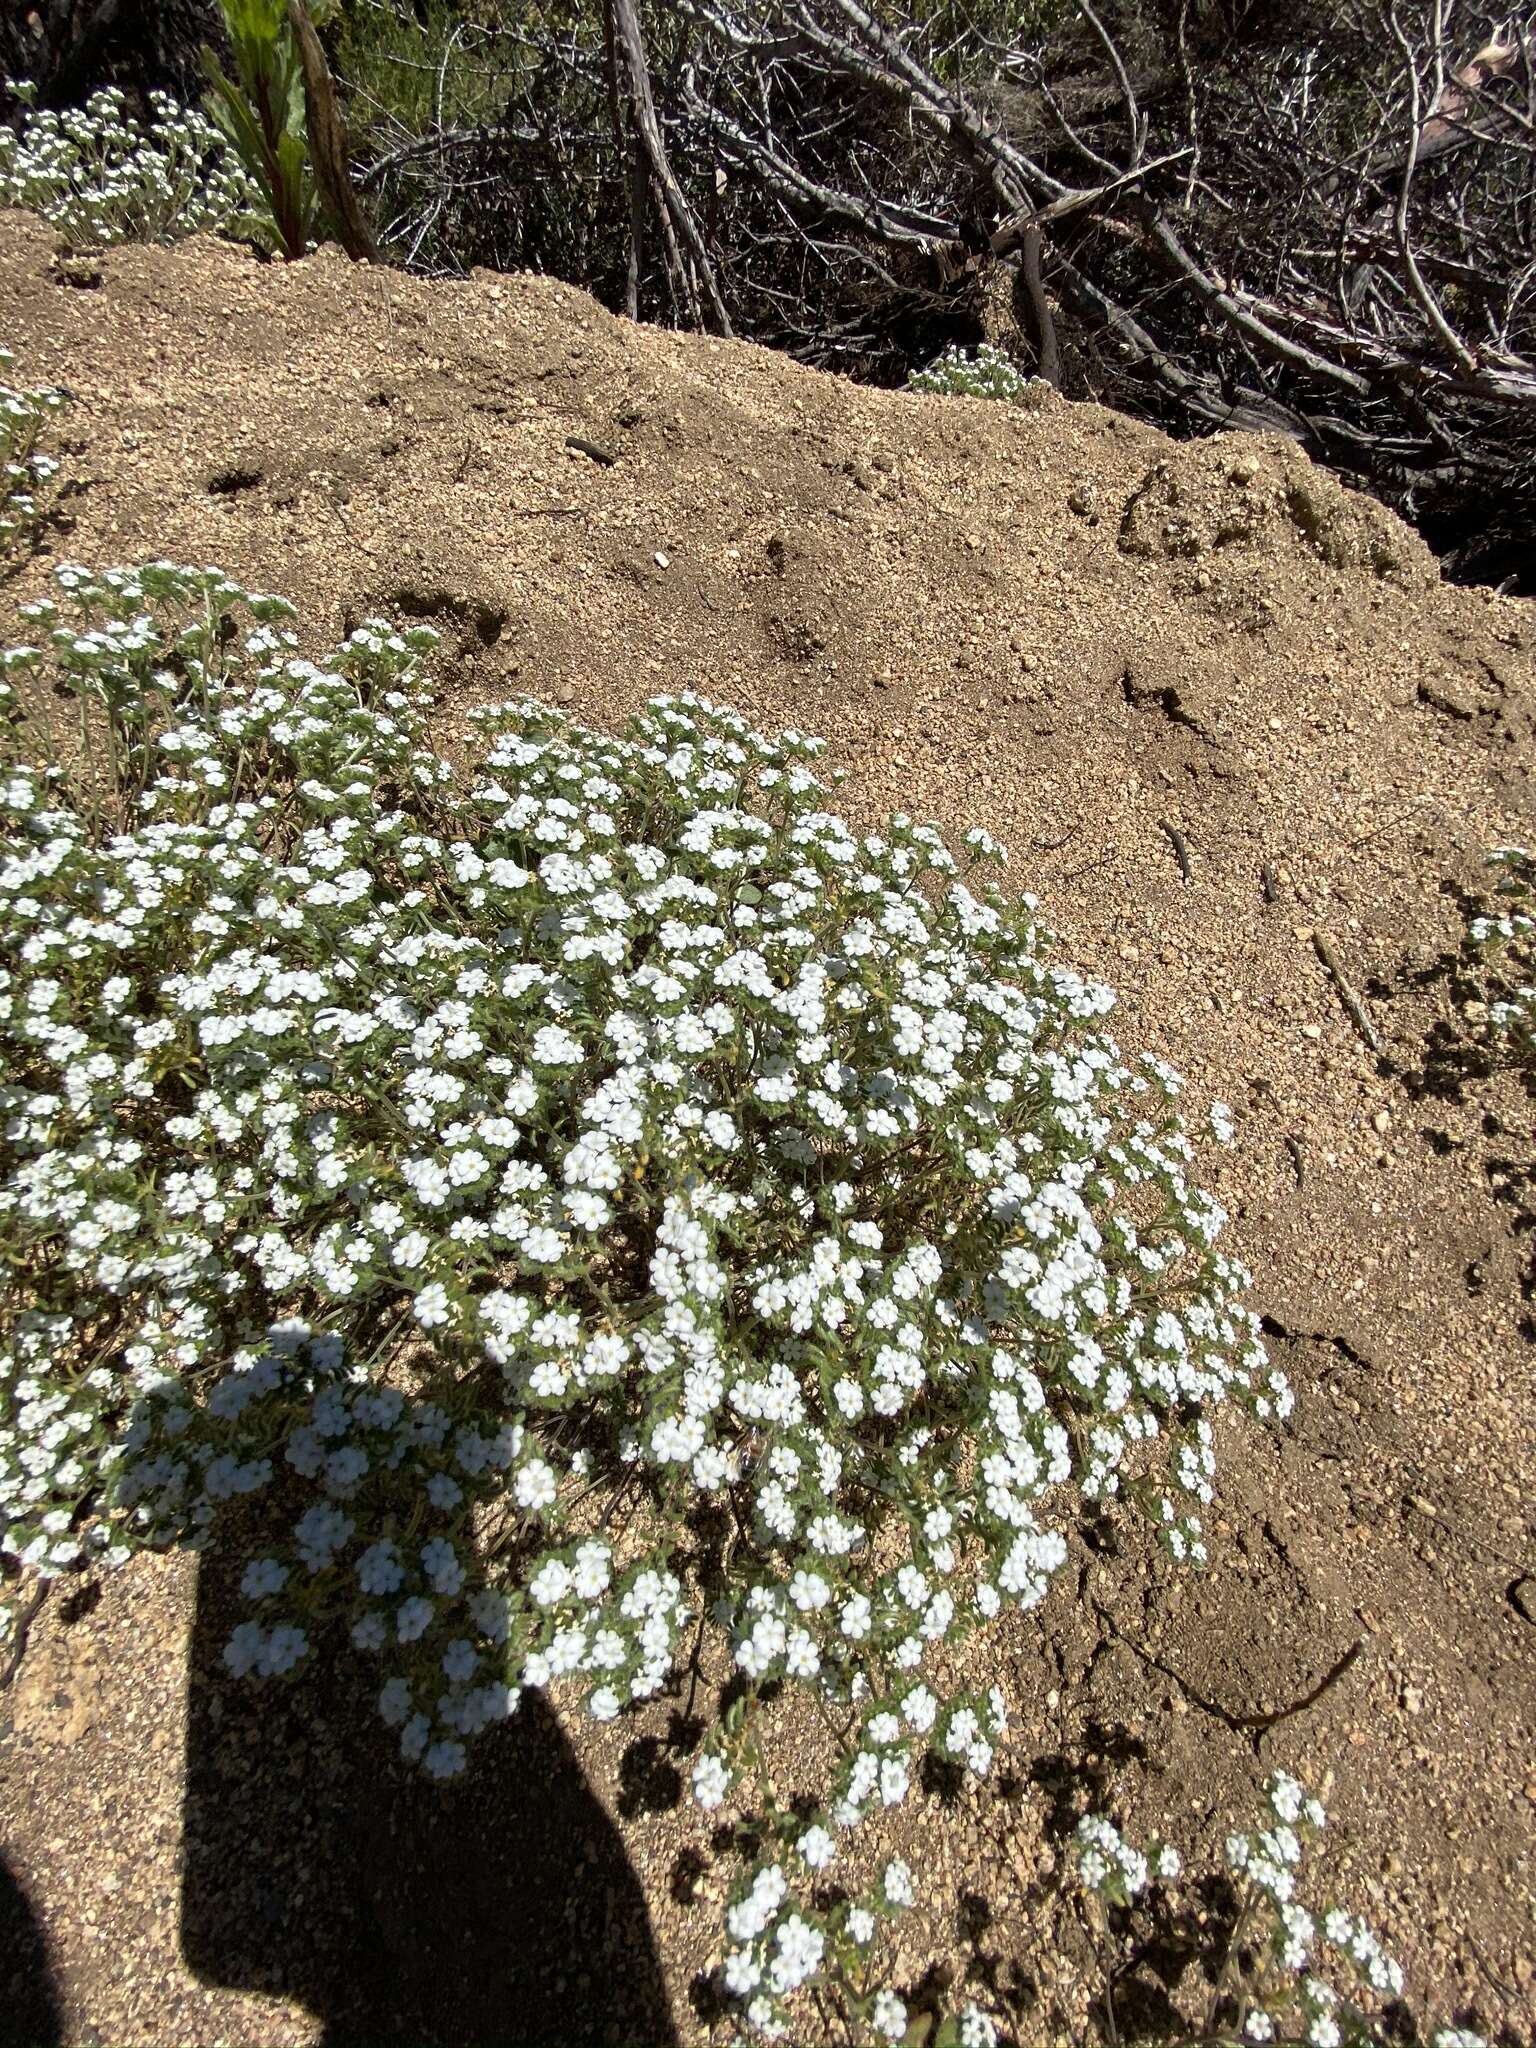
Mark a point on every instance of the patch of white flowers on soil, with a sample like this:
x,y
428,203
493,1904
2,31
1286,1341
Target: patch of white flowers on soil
x,y
25,472
99,175
511,1177
780,1939
988,373
1293,1974
1503,936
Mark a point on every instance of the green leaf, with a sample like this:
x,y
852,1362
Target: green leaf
x,y
261,112
255,20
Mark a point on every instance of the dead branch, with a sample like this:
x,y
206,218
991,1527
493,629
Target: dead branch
x,y
678,224
328,141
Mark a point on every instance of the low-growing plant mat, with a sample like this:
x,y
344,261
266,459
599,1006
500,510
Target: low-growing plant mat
x,y
1218,708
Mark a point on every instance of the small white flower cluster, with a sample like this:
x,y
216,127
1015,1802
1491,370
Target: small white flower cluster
x,y
988,373
1285,1991
779,1941
100,176
1504,936
457,1162
24,472
1114,1871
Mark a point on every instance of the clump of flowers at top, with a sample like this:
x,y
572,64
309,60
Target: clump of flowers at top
x,y
987,373
511,1176
1289,1975
99,175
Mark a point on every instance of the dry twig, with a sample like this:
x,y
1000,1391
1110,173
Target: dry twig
x,y
1354,1008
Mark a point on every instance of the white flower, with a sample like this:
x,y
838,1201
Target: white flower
x,y
855,1617
616,1149
711,1781
262,1578
395,1701
411,1618
555,1047
742,1972
816,1847
379,1570
889,2015
431,1306
243,1651
977,2029
798,1950
440,1563
283,1649
459,1661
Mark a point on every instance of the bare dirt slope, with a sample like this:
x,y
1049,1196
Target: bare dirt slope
x,y
1059,624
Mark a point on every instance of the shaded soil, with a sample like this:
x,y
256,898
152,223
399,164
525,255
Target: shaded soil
x,y
1126,658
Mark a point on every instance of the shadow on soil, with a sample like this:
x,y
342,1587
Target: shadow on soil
x,y
498,1911
29,2009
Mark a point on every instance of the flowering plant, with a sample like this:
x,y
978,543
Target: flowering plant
x,y
1276,1981
986,374
100,176
1504,938
25,472
603,1192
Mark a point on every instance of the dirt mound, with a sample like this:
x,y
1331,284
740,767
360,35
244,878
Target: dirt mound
x,y
1257,492
1215,705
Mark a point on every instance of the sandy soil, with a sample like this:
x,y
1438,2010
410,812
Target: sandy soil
x,y
1056,623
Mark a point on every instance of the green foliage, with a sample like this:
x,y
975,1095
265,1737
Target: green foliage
x,y
489,129
261,111
408,71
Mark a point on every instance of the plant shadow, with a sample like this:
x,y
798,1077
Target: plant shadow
x,y
496,1911
1075,1779
1167,1945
